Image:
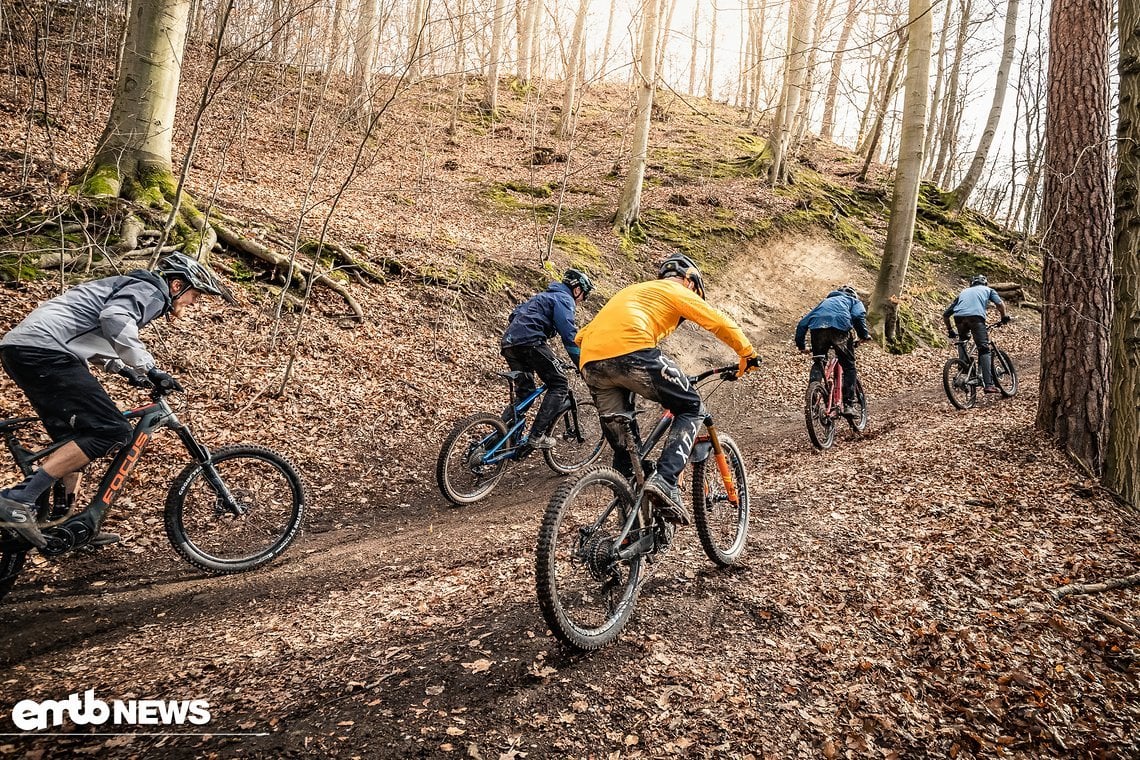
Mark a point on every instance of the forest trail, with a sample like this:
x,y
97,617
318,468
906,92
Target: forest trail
x,y
876,570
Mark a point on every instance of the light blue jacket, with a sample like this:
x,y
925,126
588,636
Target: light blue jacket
x,y
838,311
972,302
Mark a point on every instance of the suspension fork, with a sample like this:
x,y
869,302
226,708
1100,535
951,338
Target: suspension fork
x,y
722,463
201,455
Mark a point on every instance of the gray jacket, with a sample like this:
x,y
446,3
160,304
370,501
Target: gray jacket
x,y
98,320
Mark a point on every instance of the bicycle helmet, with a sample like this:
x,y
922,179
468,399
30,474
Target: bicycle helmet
x,y
179,266
683,267
848,291
577,279
978,279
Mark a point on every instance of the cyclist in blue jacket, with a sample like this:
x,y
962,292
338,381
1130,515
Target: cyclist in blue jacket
x,y
969,313
524,346
830,324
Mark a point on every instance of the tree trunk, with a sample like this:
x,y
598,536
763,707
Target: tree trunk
x,y
417,22
693,54
629,206
366,36
711,60
1122,463
533,66
950,109
336,38
936,98
800,124
1077,241
849,19
872,146
609,40
795,74
490,103
962,193
664,32
573,71
904,197
133,156
525,41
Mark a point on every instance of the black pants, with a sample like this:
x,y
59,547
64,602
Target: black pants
x,y
649,373
976,327
531,360
840,340
68,399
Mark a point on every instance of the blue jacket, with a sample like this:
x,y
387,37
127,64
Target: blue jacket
x,y
837,311
972,302
534,322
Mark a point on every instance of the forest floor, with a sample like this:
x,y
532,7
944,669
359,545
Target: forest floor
x,y
894,602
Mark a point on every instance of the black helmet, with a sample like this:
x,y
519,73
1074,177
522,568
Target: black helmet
x,y
682,266
179,266
848,291
979,279
577,279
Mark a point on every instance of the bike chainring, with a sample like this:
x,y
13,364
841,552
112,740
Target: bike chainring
x,y
63,538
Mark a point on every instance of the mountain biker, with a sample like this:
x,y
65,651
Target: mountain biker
x,y
48,353
620,357
524,346
830,324
969,312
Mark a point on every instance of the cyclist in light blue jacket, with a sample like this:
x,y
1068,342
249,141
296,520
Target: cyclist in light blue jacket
x,y
969,313
830,324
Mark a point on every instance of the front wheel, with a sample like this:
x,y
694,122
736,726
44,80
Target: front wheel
x,y
585,590
237,511
1005,374
858,422
820,423
956,382
578,438
722,523
461,472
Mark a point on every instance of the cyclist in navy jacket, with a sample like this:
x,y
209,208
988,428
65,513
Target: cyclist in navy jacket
x,y
524,346
830,324
969,313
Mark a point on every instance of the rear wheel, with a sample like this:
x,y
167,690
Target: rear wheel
x,y
956,382
13,552
820,424
722,524
858,422
201,521
1005,374
462,475
585,591
578,436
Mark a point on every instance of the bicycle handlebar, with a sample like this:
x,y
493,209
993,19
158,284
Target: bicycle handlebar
x,y
727,372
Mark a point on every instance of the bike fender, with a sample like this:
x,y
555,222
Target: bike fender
x,y
701,451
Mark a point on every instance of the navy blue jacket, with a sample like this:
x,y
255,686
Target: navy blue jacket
x,y
534,322
837,311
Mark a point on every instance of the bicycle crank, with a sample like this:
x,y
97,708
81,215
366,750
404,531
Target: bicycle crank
x,y
63,538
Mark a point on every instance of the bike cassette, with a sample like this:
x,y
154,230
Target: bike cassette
x,y
598,555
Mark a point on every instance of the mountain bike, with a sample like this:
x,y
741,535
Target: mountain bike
x,y
478,449
600,530
962,376
823,402
229,510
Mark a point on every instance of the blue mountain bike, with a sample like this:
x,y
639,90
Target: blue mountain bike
x,y
477,451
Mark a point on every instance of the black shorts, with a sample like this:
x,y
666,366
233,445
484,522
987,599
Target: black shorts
x,y
70,402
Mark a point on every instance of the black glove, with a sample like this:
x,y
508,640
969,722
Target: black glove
x,y
164,381
135,378
1006,319
951,334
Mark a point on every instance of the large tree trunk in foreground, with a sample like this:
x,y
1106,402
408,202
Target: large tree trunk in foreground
x,y
133,156
904,198
629,206
1077,233
1122,464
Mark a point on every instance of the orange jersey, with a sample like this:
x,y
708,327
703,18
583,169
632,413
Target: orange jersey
x,y
642,315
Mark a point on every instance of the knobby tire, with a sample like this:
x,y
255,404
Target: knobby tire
x,y
570,455
721,525
955,374
461,480
820,427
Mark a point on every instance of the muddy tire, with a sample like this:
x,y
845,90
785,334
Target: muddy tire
x,y
955,381
721,524
820,426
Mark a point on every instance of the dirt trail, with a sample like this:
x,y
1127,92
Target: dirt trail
x,y
415,632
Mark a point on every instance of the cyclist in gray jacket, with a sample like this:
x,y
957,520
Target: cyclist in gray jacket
x,y
48,353
969,313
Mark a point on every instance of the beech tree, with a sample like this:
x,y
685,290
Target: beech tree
x,y
1122,464
904,197
795,74
490,103
574,71
1076,238
629,206
849,19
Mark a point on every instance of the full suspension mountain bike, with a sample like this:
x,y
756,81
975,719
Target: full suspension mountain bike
x,y
228,510
962,376
600,530
823,402
478,449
